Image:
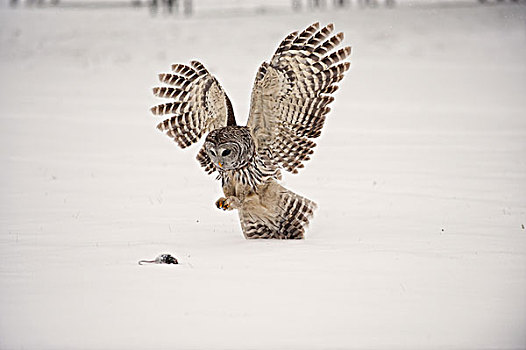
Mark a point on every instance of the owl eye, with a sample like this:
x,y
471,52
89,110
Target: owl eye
x,y
212,152
226,152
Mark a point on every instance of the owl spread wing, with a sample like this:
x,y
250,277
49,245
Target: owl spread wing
x,y
292,92
199,104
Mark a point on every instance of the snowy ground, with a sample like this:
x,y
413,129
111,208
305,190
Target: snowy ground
x,y
420,178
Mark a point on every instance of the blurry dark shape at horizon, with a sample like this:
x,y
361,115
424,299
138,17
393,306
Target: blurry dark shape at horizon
x,y
322,4
170,5
35,2
236,7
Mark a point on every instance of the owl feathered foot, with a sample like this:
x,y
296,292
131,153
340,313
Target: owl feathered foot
x,y
229,203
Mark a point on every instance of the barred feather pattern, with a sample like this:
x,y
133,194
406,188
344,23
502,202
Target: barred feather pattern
x,y
205,161
199,104
288,219
292,92
289,104
260,170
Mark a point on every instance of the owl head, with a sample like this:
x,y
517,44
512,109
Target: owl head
x,y
230,147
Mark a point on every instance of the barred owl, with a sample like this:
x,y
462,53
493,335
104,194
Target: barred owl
x,y
289,104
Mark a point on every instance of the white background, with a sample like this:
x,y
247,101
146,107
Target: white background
x,y
420,178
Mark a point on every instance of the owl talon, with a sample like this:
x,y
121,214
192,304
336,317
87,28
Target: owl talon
x,y
227,203
220,203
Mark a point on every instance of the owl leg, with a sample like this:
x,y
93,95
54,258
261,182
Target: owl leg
x,y
228,203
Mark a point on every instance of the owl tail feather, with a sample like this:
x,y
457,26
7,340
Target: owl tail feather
x,y
286,216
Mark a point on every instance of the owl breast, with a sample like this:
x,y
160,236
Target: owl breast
x,y
241,166
249,178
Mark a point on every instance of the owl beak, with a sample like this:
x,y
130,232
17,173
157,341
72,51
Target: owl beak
x,y
220,165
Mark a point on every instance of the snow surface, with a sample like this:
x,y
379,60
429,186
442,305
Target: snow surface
x,y
420,178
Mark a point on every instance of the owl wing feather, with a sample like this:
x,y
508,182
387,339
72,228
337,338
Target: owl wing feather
x,y
292,92
199,104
